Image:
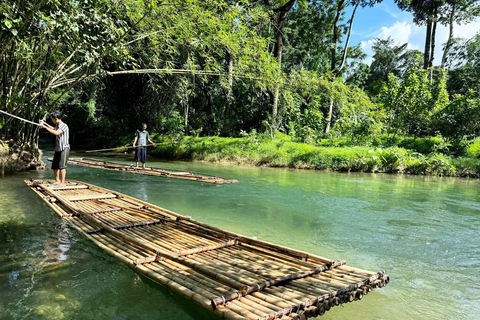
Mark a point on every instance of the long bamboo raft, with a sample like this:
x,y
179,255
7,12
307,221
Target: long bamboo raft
x,y
234,276
149,171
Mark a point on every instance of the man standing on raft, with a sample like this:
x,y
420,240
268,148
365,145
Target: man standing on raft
x,y
141,153
62,147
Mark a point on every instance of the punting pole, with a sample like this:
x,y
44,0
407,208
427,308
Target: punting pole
x,y
16,117
129,147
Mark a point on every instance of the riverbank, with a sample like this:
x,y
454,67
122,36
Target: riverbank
x,y
16,158
282,152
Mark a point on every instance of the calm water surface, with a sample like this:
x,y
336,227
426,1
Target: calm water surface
x,y
424,231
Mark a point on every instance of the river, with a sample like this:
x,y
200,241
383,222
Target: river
x,y
424,231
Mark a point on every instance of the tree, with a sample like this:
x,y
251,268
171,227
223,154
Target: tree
x,y
308,34
49,47
429,13
459,11
412,102
335,67
464,66
389,58
279,9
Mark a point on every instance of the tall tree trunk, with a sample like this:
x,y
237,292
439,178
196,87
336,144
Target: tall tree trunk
x,y
186,116
329,119
282,14
450,36
432,40
225,126
345,49
333,51
426,53
336,36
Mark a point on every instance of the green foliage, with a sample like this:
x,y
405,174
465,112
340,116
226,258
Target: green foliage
x,y
413,102
473,149
388,59
282,152
461,117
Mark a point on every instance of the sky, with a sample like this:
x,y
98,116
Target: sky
x,y
385,19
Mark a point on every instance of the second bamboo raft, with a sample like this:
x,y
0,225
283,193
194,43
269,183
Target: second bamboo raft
x,y
149,171
234,276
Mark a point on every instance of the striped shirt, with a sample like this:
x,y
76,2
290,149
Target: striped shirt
x,y
61,142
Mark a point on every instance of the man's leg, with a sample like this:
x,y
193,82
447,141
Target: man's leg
x,y
64,174
137,156
144,158
57,177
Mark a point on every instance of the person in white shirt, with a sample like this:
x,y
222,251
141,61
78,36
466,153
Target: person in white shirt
x,y
62,147
141,137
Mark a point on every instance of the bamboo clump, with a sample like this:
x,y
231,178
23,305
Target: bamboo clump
x,y
234,276
150,171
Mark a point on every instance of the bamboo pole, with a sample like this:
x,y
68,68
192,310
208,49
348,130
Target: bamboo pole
x,y
131,147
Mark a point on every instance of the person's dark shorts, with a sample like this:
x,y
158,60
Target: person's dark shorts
x,y
141,155
60,159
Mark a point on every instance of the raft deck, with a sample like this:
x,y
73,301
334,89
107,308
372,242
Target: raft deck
x,y
234,276
150,171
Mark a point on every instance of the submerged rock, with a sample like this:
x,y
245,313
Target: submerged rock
x,y
16,157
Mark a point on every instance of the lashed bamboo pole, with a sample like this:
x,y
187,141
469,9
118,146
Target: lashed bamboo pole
x,y
323,298
270,283
186,252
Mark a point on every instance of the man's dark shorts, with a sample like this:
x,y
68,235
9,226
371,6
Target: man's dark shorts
x,y
141,155
60,159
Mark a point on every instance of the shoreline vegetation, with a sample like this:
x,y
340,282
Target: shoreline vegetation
x,y
411,156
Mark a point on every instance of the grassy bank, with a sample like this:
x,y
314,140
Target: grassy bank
x,y
282,152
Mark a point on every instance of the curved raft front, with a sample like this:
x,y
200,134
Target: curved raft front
x,y
234,276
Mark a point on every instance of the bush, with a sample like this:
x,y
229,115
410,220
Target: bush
x,y
282,152
473,149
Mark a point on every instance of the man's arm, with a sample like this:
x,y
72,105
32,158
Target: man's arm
x,y
135,141
50,129
154,144
148,138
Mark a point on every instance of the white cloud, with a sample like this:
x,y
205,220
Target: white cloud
x,y
407,32
400,32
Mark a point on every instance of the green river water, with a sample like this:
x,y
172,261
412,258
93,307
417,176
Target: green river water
x,y
424,231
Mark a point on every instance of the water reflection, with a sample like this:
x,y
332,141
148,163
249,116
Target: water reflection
x,y
422,230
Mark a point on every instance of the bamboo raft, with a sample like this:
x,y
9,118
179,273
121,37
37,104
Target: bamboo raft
x,y
234,276
149,171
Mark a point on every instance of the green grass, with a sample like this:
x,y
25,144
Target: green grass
x,y
283,152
